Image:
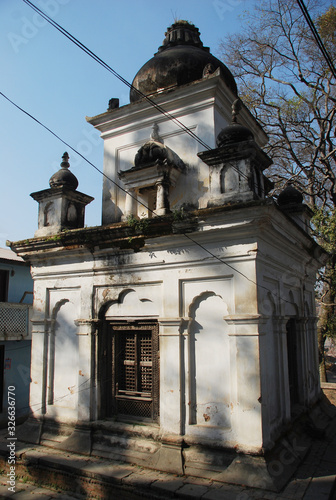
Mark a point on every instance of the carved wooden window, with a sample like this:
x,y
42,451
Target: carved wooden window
x,y
131,356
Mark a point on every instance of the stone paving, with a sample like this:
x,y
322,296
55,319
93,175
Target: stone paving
x,y
26,491
314,479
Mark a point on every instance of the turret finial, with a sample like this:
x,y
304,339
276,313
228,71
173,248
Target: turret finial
x,y
65,163
155,136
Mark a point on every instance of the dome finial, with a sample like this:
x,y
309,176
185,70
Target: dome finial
x,y
64,178
155,136
236,107
65,163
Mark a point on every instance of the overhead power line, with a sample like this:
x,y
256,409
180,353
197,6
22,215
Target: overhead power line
x,y
115,73
168,115
275,294
159,108
317,37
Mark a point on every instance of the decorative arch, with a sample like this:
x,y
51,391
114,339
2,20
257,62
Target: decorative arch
x,y
291,307
229,179
130,303
63,355
209,389
57,308
119,299
127,354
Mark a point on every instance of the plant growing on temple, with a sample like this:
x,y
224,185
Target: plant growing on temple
x,y
287,84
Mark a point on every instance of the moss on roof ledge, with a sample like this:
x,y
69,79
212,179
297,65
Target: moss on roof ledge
x,y
126,235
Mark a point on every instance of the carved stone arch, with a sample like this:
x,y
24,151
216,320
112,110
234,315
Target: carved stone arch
x,y
118,299
131,303
196,302
72,214
57,308
229,179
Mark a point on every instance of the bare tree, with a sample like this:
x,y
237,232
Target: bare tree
x,y
286,83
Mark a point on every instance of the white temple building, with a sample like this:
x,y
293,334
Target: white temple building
x,y
183,329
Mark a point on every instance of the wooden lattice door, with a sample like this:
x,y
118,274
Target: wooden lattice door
x,y
133,387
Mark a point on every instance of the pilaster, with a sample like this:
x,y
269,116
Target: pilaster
x,y
87,329
170,375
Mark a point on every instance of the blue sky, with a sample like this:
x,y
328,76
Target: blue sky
x,y
53,80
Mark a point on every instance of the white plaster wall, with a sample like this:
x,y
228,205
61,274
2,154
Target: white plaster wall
x,y
209,346
204,107
66,358
228,370
120,150
287,281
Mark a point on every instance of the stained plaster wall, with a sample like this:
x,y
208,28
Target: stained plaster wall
x,y
204,107
286,274
189,296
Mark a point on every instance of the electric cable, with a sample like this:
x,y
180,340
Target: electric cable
x,y
275,294
168,115
75,151
317,37
100,61
94,56
115,73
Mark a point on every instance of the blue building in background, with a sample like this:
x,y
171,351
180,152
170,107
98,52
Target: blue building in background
x,y
16,299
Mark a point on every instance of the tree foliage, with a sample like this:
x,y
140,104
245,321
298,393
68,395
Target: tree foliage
x,y
287,84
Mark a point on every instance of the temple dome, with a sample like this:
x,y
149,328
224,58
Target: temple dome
x,y
152,152
180,60
63,177
233,134
290,196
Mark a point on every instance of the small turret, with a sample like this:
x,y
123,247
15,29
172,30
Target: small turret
x,y
61,207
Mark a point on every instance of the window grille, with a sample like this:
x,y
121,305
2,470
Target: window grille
x,y
13,319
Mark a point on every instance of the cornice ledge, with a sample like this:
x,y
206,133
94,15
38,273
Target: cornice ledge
x,y
87,326
243,319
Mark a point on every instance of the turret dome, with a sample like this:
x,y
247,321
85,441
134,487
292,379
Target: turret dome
x,y
63,177
235,132
290,195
